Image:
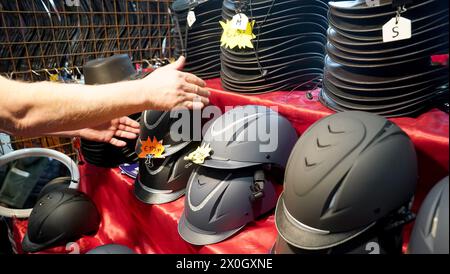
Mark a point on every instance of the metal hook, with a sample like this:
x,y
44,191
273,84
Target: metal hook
x,y
78,70
35,73
10,76
49,74
57,71
148,62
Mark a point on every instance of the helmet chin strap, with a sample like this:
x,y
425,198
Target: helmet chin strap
x,y
38,152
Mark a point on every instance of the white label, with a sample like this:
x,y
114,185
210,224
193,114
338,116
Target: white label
x,y
239,21
191,18
373,3
395,31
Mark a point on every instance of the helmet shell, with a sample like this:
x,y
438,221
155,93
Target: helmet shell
x,y
60,217
430,232
249,136
346,172
220,202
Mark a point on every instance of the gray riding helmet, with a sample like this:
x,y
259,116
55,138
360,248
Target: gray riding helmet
x,y
249,136
111,249
221,202
158,124
430,232
164,180
345,173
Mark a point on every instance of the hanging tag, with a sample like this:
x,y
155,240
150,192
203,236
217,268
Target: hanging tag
x,y
373,3
191,18
232,37
239,21
199,155
398,28
151,148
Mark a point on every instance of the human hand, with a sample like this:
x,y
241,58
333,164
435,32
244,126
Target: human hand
x,y
172,88
123,127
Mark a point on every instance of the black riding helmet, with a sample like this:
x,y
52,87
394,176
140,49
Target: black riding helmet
x,y
59,217
347,171
164,180
158,124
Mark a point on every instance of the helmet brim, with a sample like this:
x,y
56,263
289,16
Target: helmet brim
x,y
227,164
308,240
147,196
196,236
170,150
29,246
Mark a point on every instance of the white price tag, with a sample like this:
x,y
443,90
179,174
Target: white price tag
x,y
191,18
239,21
397,30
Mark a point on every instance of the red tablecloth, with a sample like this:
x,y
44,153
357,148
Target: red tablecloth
x,y
153,228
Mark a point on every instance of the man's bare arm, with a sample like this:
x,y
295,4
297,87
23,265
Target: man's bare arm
x,y
32,109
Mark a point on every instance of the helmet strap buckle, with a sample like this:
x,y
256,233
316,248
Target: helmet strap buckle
x,y
258,185
400,218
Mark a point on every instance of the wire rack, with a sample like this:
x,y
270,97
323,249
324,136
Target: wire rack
x,y
43,38
39,35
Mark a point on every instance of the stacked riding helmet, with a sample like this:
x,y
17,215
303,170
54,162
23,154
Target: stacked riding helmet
x,y
111,249
105,71
229,189
346,174
162,180
430,232
59,217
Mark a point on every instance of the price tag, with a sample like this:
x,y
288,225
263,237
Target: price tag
x,y
191,18
398,28
239,21
232,37
373,3
152,148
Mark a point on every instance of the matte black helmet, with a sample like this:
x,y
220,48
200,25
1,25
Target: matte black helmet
x,y
111,249
60,217
164,180
345,173
249,136
430,232
221,202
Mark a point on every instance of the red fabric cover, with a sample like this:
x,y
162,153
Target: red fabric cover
x,y
153,229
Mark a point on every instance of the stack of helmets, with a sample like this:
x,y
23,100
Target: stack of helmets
x,y
288,50
229,188
163,180
350,178
391,79
105,71
199,43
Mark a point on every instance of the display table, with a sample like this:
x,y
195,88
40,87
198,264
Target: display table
x,y
153,228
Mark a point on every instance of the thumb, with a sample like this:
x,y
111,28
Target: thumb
x,y
179,64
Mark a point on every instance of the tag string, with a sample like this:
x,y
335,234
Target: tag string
x,y
400,10
255,49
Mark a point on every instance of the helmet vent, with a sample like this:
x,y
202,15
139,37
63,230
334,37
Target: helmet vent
x,y
334,131
435,219
331,200
319,145
309,163
214,214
